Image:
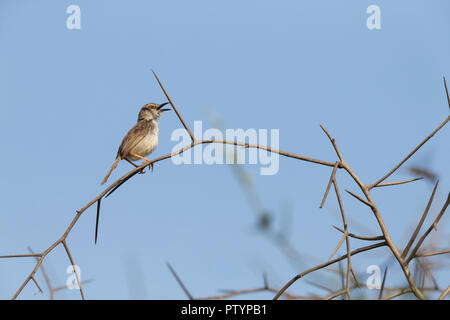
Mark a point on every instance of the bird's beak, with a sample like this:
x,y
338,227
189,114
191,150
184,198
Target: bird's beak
x,y
162,105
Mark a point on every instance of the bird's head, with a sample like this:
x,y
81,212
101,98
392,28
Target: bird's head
x,y
152,111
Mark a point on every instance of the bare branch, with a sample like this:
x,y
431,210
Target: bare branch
x,y
436,221
174,108
22,255
419,225
338,246
44,274
185,290
387,184
265,281
411,153
367,203
37,284
333,174
430,254
444,293
97,218
380,294
401,292
114,186
333,142
361,237
326,264
355,279
74,269
340,164
337,294
364,188
344,222
446,91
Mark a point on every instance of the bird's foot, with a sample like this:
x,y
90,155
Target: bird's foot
x,y
150,165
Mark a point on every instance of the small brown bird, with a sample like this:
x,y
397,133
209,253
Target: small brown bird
x,y
139,142
142,139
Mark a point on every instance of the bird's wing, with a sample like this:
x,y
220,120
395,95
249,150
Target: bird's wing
x,y
133,137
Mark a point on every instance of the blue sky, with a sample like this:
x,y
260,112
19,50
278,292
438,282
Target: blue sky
x,y
67,97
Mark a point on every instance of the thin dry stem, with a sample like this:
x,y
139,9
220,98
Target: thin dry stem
x,y
180,283
411,153
433,226
347,240
430,254
444,293
380,294
326,264
367,203
174,108
401,292
21,255
388,184
338,245
419,225
352,235
74,269
333,142
337,294
339,164
37,284
333,174
446,91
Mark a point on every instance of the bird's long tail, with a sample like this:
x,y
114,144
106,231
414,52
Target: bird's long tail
x,y
112,168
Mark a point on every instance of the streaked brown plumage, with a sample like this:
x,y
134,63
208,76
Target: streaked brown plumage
x,y
142,139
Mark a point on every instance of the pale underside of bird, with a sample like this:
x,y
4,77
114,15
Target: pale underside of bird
x,y
145,146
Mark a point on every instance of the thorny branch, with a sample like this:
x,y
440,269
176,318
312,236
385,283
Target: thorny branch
x,y
341,164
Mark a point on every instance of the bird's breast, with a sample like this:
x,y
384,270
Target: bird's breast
x,y
145,146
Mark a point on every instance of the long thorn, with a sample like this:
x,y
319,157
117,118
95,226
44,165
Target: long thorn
x,y
177,278
446,91
97,218
360,199
419,225
174,108
333,173
433,226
